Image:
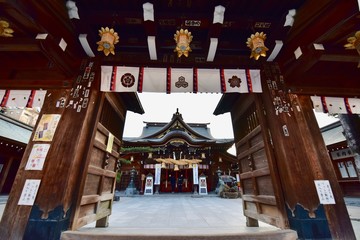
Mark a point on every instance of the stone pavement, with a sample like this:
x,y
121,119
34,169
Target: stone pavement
x,y
182,214
185,215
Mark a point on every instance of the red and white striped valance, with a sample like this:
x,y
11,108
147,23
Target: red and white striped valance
x,y
173,80
22,98
336,105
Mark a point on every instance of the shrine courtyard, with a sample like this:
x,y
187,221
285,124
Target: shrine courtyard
x,y
183,216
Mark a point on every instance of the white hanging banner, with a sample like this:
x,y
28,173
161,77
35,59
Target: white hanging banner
x,y
235,80
2,94
106,77
157,174
336,105
353,104
181,80
39,98
22,98
18,98
317,104
119,79
254,80
173,80
154,80
195,174
209,80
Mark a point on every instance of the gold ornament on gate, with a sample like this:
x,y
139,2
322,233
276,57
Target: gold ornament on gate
x,y
5,31
108,40
354,43
183,39
256,43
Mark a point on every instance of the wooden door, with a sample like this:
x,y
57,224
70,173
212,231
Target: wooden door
x,y
99,181
261,191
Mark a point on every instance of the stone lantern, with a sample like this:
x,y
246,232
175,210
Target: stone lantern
x,y
131,189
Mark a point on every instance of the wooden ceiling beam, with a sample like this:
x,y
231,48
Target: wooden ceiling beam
x,y
310,56
325,91
52,19
63,60
171,60
338,57
25,84
314,20
19,47
297,67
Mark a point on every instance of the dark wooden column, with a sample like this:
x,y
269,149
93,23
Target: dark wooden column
x,y
351,125
5,171
60,176
302,158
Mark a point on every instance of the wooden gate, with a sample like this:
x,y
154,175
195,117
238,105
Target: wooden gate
x,y
262,195
98,187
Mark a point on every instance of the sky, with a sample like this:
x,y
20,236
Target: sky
x,y
195,108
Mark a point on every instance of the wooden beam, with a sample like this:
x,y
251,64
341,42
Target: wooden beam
x,y
312,62
316,19
19,45
51,19
62,59
340,57
324,91
35,84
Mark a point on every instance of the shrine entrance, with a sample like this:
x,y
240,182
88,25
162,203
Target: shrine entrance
x,y
93,58
279,165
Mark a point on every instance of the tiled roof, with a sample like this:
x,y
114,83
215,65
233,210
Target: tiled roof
x,y
14,130
333,133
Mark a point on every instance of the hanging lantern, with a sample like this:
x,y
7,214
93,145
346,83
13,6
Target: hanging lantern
x,y
256,43
5,31
183,39
163,165
190,165
150,155
202,155
108,39
176,168
354,43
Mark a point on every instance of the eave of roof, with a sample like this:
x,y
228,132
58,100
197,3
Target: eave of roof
x,y
14,130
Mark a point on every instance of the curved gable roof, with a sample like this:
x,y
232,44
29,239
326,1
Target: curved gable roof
x,y
192,133
195,130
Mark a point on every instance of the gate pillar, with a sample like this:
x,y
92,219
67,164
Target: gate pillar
x,y
65,127
302,158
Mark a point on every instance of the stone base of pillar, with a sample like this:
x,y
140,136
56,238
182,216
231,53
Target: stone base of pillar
x,y
195,190
157,187
50,228
306,227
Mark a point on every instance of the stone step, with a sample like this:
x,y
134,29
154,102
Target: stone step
x,y
264,235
